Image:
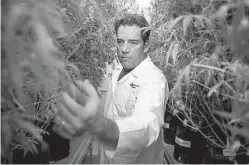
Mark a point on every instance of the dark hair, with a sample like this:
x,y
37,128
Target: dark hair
x,y
134,19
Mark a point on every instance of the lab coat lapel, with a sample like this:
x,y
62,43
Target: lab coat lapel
x,y
115,79
141,68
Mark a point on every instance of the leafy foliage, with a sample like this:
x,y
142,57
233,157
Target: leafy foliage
x,y
90,44
46,45
202,47
32,67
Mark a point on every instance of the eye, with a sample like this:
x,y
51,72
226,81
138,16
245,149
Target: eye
x,y
119,41
134,42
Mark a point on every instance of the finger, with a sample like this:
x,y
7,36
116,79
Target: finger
x,y
61,133
73,91
88,89
93,98
70,119
64,113
66,128
77,93
78,84
66,131
71,105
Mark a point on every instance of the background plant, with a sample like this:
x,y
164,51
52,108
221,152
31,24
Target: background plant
x,y
202,48
45,46
32,68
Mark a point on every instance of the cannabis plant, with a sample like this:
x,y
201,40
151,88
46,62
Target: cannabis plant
x,y
46,45
203,50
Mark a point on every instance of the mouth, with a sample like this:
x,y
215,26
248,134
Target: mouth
x,y
125,58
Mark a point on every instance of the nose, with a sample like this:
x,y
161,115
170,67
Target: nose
x,y
125,48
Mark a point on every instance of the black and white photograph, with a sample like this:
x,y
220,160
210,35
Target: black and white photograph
x,y
124,81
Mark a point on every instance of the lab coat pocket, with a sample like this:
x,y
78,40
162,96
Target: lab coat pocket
x,y
130,105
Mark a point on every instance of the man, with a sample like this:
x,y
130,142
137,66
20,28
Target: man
x,y
128,126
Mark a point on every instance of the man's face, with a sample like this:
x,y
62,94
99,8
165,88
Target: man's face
x,y
130,46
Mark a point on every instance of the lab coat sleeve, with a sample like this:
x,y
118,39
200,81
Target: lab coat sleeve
x,y
143,127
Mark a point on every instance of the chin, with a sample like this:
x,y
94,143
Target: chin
x,y
126,67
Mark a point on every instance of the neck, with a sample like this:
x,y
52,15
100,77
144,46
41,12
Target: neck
x,y
123,73
126,71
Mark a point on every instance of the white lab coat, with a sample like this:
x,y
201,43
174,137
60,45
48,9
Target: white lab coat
x,y
137,104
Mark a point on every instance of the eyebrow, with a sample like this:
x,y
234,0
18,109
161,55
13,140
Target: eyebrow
x,y
129,40
134,40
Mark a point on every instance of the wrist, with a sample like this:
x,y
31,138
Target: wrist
x,y
106,131
95,125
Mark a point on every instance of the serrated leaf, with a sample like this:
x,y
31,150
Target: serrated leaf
x,y
24,125
184,75
186,22
145,29
199,19
175,52
169,52
174,22
242,131
25,151
222,12
33,147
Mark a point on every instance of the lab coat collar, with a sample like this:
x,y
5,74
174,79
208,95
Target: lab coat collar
x,y
139,70
136,72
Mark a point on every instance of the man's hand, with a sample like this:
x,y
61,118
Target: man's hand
x,y
77,110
